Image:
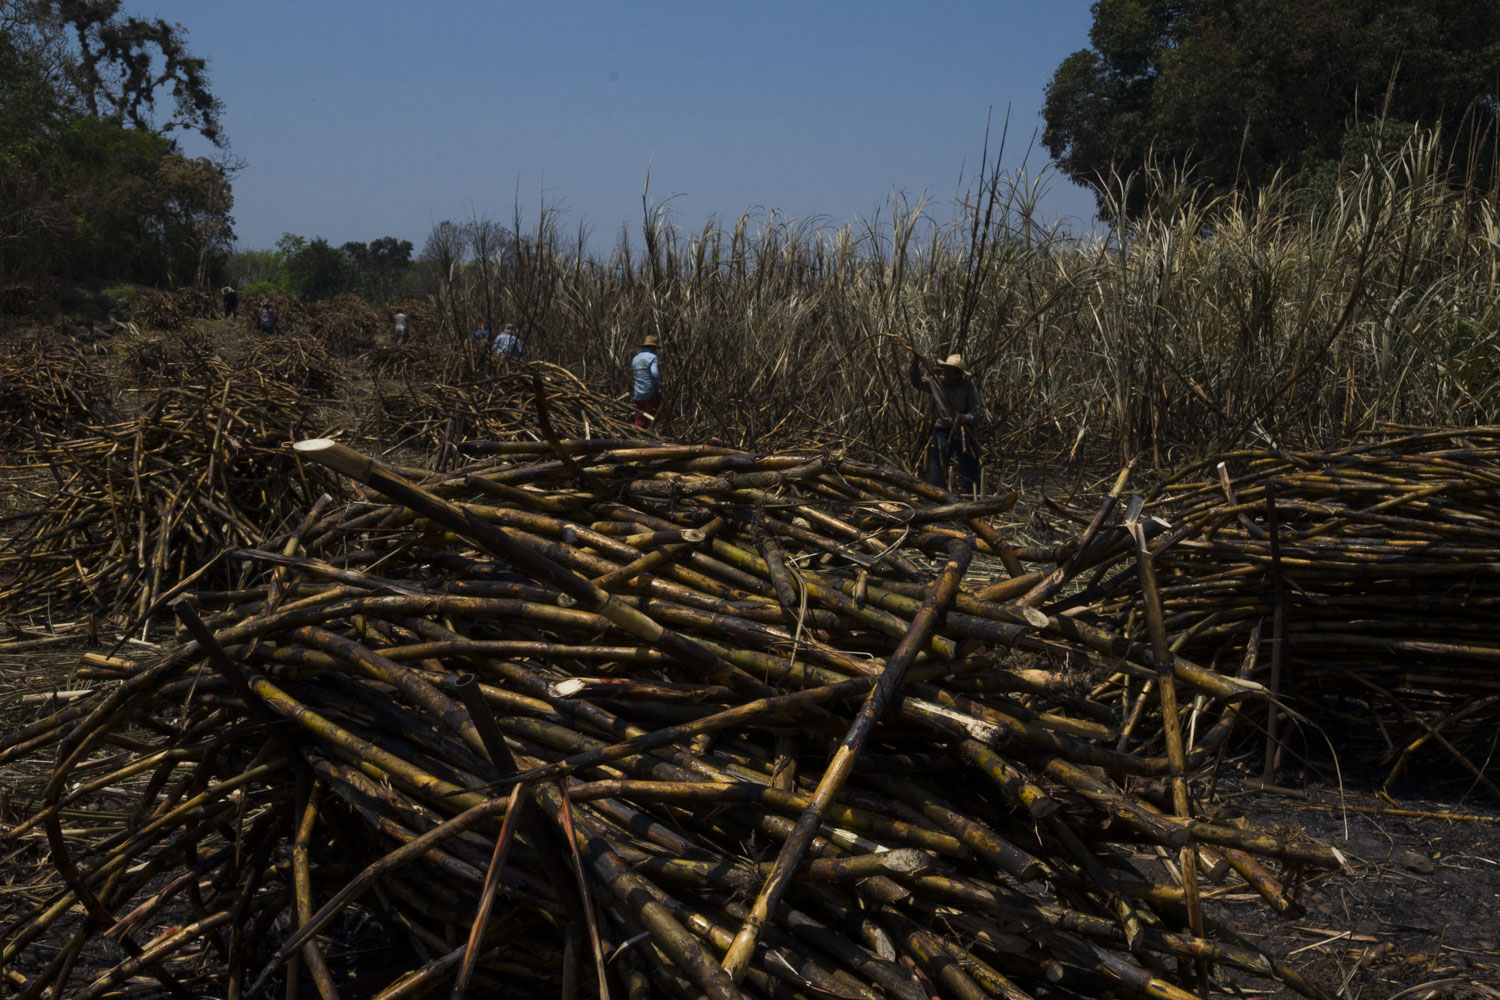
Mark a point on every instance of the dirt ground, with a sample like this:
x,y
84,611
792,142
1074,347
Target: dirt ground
x,y
1415,914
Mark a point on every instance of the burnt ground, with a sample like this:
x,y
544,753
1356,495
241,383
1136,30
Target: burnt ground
x,y
1415,914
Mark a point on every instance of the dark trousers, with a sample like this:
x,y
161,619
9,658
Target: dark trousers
x,y
949,444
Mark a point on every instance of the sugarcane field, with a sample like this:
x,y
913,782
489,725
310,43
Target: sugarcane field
x,y
983,597
345,666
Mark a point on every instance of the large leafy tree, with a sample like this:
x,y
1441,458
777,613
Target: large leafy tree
x,y
382,266
315,269
92,184
1241,89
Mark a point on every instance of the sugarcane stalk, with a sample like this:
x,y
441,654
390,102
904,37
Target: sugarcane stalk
x,y
506,546
514,811
1278,638
302,876
1166,687
880,698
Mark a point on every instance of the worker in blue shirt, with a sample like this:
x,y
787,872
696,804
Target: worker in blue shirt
x,y
507,345
645,373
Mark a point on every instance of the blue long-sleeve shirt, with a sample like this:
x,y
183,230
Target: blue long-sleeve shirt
x,y
507,345
645,369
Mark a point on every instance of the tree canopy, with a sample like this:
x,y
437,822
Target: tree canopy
x,y
92,186
382,266
1241,89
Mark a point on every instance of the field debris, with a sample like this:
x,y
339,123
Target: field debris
x,y
171,311
635,718
1377,565
129,493
137,506
438,405
490,678
41,392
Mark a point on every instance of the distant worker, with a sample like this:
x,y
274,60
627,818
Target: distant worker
x,y
507,345
399,322
231,303
482,336
645,372
955,428
265,319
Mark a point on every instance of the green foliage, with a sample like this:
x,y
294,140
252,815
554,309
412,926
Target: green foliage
x,y
380,271
315,269
1244,90
261,268
258,289
121,64
29,107
382,267
93,190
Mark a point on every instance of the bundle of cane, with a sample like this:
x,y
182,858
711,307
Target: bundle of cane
x,y
440,418
295,361
46,390
1374,570
639,719
162,310
139,506
343,324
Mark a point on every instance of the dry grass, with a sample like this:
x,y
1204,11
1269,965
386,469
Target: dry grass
x,y
1281,319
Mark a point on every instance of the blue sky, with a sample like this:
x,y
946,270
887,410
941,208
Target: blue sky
x,y
363,119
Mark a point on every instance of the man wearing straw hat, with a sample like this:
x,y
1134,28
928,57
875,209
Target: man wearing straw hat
x,y
955,427
645,374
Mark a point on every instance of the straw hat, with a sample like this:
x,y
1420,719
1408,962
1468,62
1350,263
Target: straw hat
x,y
650,340
952,361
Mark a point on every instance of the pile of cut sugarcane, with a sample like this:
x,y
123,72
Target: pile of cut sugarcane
x,y
157,359
343,323
296,361
160,309
136,507
633,719
479,398
44,389
1371,573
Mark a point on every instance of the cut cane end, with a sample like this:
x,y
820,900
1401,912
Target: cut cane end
x,y
1034,616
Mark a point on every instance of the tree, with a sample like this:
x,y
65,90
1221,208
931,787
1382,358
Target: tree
x,y
30,116
315,269
446,246
256,271
92,187
382,266
444,254
1241,89
123,63
197,228
488,241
